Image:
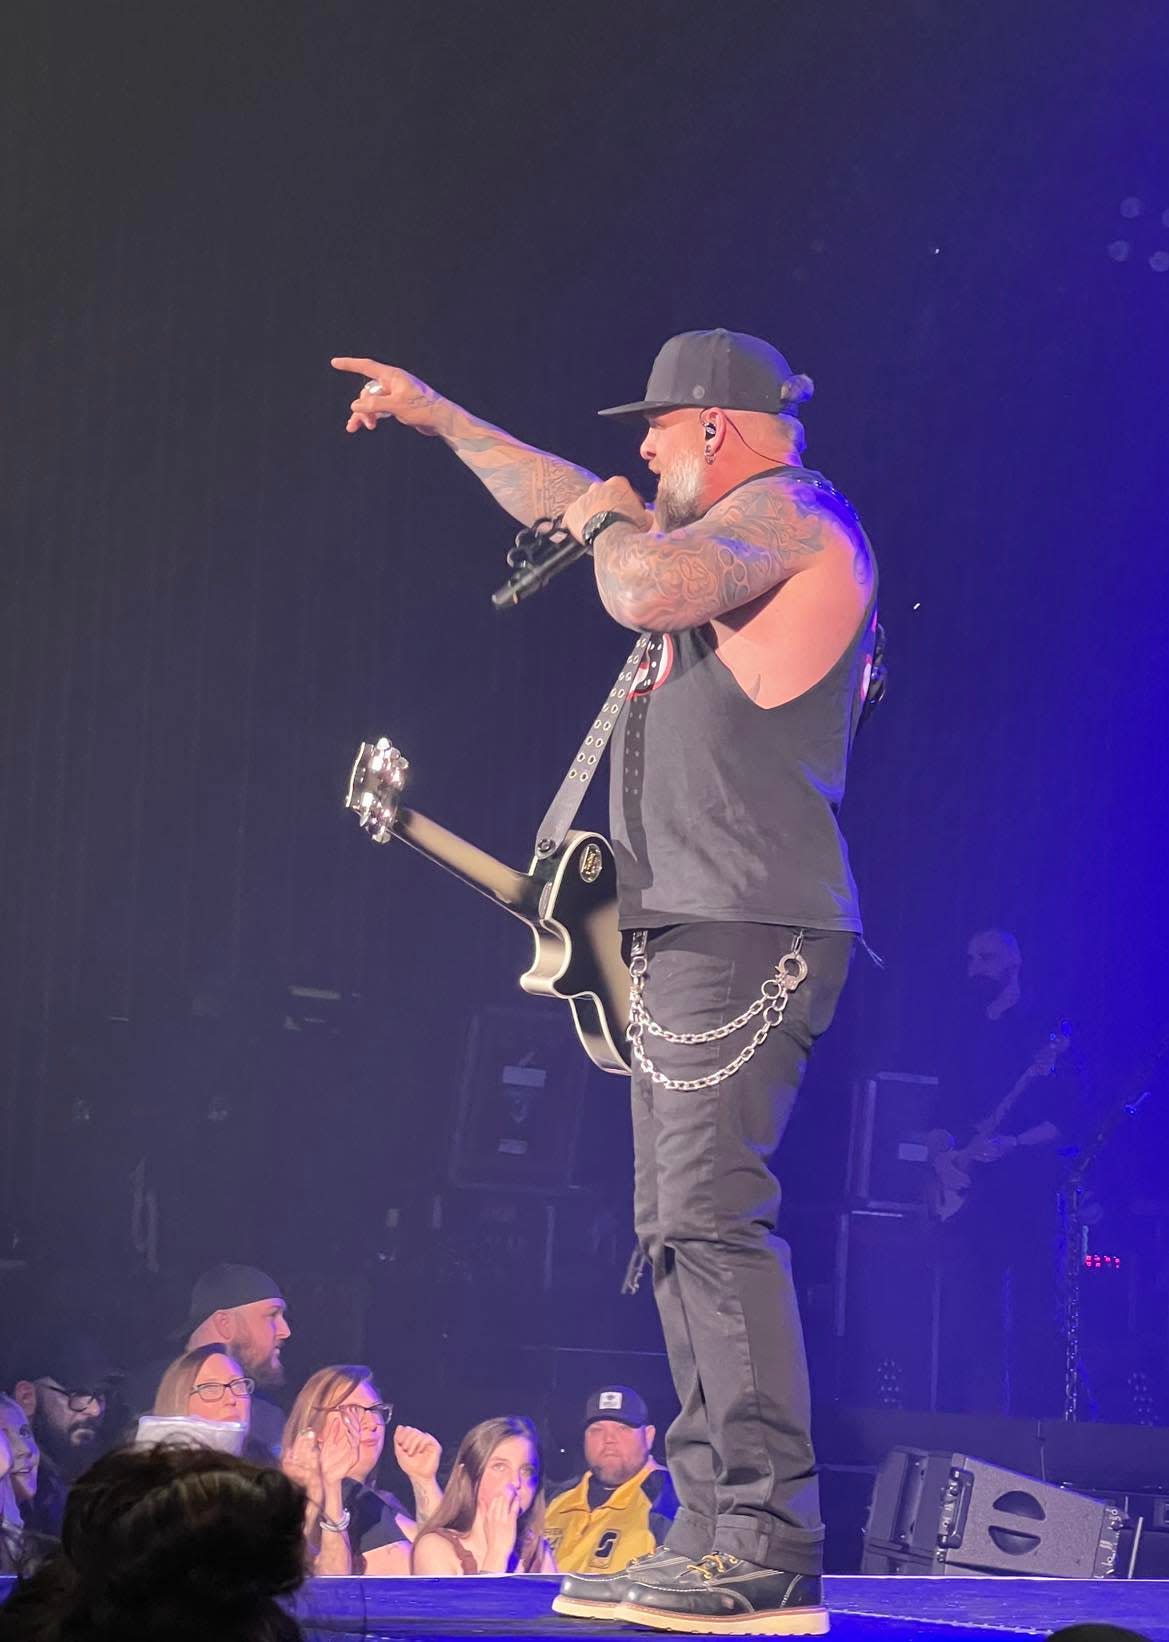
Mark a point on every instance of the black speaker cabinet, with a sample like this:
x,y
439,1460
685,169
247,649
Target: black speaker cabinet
x,y
947,1513
888,1163
886,1309
520,1101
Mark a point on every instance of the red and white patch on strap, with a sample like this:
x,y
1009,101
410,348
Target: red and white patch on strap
x,y
655,667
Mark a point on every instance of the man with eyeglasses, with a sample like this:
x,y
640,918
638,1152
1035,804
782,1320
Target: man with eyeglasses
x,y
63,1386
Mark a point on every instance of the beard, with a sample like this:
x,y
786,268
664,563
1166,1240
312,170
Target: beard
x,y
677,501
612,1473
986,987
71,1451
268,1371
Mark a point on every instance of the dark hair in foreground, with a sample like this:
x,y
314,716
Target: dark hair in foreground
x,y
457,1511
168,1544
1097,1633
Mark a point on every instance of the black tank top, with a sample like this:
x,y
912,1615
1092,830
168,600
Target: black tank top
x,y
724,811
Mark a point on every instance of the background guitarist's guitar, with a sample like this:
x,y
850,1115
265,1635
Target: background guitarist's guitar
x,y
950,1181
568,901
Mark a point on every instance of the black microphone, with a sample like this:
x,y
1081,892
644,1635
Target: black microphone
x,y
540,552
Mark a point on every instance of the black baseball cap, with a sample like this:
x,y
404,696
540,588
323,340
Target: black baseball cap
x,y
725,368
223,1288
77,1362
616,1402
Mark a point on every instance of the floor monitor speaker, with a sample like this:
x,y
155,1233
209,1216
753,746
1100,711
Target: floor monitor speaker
x,y
947,1513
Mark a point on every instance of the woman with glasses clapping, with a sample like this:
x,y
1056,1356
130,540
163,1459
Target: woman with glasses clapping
x,y
332,1443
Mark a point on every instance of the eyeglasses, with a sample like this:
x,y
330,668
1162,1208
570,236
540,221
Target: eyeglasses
x,y
211,1391
379,1413
78,1401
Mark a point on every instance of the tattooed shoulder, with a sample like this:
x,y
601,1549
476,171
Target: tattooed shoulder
x,y
784,520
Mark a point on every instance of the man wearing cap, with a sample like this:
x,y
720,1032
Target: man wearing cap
x,y
756,586
624,1504
241,1309
63,1385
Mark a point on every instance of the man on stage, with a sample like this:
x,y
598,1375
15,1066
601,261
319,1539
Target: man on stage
x,y
758,586
1001,1345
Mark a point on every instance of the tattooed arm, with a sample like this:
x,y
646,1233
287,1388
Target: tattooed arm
x,y
663,581
528,483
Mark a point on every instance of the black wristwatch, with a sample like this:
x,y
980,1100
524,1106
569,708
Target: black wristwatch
x,y
601,521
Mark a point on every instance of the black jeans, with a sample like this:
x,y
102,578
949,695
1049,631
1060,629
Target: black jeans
x,y
705,1207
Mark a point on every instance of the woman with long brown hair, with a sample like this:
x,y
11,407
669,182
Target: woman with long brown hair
x,y
491,1520
332,1444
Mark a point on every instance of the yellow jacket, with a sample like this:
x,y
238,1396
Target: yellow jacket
x,y
630,1522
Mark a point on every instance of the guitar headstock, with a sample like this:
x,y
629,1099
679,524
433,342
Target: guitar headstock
x,y
376,785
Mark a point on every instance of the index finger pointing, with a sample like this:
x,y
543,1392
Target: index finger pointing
x,y
359,367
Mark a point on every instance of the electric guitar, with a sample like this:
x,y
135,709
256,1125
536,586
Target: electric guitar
x,y
948,1185
568,901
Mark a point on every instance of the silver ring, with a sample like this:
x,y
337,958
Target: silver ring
x,y
373,387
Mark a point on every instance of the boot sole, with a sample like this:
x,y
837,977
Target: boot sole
x,y
783,1622
583,1607
572,1607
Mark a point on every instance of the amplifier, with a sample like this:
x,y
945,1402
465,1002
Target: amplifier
x,y
887,1309
892,1112
868,1282
520,1100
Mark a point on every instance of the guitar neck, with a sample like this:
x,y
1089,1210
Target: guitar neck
x,y
513,890
990,1124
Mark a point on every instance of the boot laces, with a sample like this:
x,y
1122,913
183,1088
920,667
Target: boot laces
x,y
716,1564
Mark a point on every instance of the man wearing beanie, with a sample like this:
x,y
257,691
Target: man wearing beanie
x,y
242,1309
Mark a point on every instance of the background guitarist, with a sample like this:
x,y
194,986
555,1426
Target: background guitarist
x,y
1000,1326
728,766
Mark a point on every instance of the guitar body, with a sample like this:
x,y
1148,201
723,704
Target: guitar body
x,y
949,1182
578,946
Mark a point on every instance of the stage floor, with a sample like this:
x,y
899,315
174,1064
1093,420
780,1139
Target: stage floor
x,y
863,1609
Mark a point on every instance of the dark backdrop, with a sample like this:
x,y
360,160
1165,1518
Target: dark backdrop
x,y
210,593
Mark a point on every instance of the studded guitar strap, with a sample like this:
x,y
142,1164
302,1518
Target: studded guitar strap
x,y
563,809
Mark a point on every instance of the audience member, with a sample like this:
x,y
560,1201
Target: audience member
x,y
624,1503
19,1459
63,1387
204,1396
241,1310
1097,1633
491,1519
168,1545
207,1383
332,1444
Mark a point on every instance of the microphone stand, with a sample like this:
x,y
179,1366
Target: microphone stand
x,y
541,551
1072,1200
